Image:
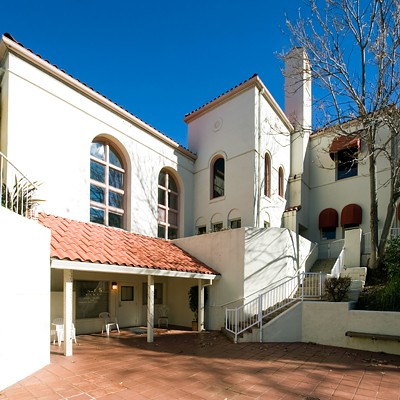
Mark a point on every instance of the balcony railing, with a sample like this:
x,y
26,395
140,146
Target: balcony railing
x,y
17,191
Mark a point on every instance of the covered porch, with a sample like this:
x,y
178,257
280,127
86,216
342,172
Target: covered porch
x,y
95,269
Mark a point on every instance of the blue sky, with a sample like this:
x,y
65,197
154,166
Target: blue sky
x,y
157,59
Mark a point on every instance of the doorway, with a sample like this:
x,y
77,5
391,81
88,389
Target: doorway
x,y
127,305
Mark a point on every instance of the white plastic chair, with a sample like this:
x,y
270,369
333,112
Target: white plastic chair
x,y
107,323
59,324
163,316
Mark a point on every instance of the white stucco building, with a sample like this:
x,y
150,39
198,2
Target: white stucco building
x,y
246,202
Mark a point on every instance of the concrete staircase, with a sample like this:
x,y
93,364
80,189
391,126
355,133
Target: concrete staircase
x,y
323,265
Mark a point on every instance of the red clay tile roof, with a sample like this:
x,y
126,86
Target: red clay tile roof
x,y
88,242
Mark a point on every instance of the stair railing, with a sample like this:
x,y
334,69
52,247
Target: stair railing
x,y
16,190
256,311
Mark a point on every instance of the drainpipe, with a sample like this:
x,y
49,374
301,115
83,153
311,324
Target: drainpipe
x,y
260,94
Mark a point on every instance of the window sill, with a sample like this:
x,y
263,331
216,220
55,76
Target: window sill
x,y
216,199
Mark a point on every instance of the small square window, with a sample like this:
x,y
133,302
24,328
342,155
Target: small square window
x,y
201,230
235,223
127,293
217,227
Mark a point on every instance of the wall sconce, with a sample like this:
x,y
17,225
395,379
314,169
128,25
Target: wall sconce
x,y
114,286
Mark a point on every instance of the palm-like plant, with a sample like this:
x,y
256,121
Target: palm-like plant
x,y
21,198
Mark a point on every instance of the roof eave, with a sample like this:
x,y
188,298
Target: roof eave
x,y
130,270
254,81
15,48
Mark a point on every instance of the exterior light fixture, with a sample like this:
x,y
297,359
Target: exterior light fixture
x,y
114,286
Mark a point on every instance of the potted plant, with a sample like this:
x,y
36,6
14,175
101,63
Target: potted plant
x,y
193,295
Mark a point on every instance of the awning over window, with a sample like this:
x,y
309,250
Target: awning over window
x,y
398,211
351,215
342,143
328,218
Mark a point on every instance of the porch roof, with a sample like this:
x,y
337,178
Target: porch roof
x,y
110,248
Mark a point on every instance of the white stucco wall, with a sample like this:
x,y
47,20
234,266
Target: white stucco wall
x,y
241,129
25,297
248,259
324,188
51,143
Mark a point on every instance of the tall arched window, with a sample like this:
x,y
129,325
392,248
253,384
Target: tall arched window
x,y
218,178
267,185
281,182
107,175
168,200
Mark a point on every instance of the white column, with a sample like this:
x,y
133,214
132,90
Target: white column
x,y
150,308
68,307
200,315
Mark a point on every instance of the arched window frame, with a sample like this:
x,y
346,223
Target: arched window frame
x,y
168,206
281,182
218,177
107,194
267,178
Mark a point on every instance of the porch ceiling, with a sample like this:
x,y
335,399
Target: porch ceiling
x,y
91,247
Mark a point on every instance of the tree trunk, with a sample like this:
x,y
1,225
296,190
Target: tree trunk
x,y
374,203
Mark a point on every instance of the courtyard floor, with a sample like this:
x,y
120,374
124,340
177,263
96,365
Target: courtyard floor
x,y
187,365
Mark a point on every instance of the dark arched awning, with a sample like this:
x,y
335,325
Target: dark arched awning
x,y
351,215
343,143
328,218
398,211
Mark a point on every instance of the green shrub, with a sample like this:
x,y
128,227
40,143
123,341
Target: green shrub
x,y
336,288
391,258
390,296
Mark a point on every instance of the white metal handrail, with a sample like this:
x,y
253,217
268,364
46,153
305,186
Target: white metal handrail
x,y
254,312
16,190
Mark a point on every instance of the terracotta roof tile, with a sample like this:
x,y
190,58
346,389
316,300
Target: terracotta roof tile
x,y
87,242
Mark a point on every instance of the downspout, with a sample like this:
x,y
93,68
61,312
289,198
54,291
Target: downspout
x,y
260,93
2,75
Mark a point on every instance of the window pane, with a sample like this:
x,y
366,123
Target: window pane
x,y
115,200
161,196
127,293
97,171
172,233
98,150
158,293
96,215
219,177
161,214
171,184
172,218
161,179
161,231
201,230
96,193
173,201
114,159
217,227
115,220
328,233
91,298
116,179
236,223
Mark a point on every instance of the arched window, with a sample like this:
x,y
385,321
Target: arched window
x,y
267,184
168,200
107,185
218,178
281,182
